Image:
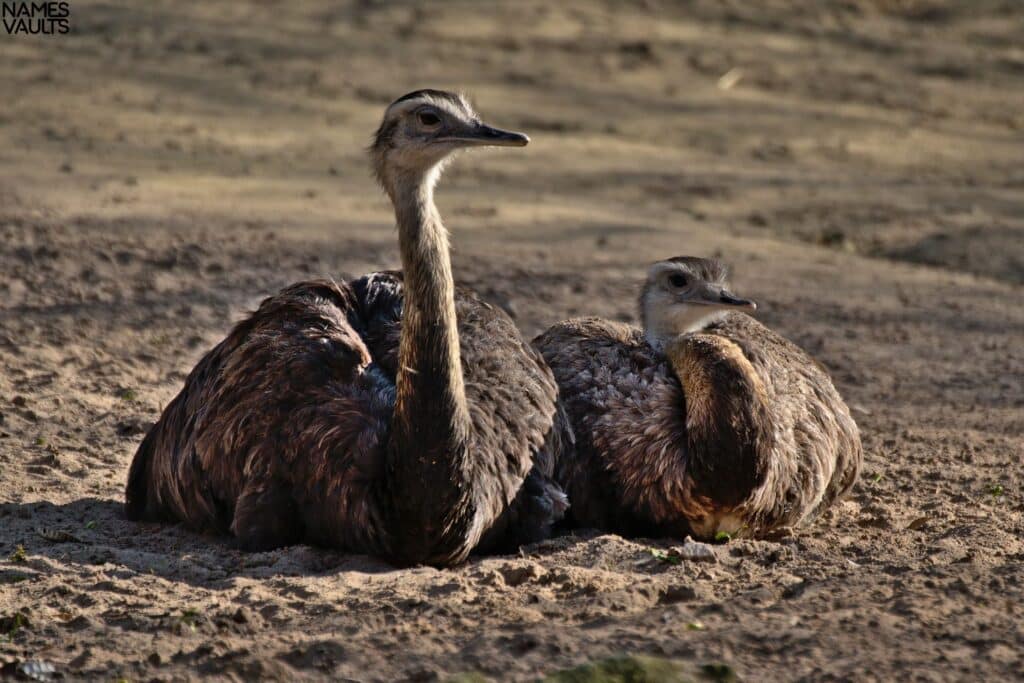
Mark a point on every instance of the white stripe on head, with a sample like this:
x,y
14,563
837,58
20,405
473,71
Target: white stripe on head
x,y
460,108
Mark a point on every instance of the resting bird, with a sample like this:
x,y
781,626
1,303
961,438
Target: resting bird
x,y
703,422
396,415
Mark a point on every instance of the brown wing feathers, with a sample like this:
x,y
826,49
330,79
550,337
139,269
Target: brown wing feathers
x,y
754,436
278,432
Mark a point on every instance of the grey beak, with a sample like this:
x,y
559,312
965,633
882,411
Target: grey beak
x,y
728,299
495,137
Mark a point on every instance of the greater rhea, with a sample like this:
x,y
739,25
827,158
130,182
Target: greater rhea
x,y
396,414
704,422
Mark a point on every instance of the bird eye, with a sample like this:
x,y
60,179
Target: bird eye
x,y
429,118
677,280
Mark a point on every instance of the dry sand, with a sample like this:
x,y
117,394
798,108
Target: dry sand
x,y
860,163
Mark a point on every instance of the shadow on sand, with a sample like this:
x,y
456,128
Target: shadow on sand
x,y
94,531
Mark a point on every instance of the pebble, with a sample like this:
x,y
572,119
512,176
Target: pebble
x,y
695,551
38,670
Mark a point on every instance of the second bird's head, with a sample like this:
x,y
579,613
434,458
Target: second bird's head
x,y
685,294
422,129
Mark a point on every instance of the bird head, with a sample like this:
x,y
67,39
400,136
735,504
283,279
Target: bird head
x,y
422,129
685,294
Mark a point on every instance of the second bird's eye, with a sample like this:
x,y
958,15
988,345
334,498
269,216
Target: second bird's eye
x,y
677,280
429,118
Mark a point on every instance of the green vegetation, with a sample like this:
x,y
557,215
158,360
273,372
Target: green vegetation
x,y
665,557
19,554
189,618
12,624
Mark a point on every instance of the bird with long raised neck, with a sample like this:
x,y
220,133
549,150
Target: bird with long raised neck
x,y
396,414
703,422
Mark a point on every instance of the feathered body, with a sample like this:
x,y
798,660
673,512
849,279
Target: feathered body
x,y
395,414
730,428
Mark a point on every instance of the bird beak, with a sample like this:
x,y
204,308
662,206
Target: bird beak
x,y
718,297
726,298
484,136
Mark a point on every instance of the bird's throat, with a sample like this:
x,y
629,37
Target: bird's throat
x,y
430,409
663,324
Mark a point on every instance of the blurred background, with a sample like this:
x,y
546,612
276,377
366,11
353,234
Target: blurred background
x,y
859,162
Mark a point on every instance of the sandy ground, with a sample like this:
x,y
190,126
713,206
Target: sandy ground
x,y
860,163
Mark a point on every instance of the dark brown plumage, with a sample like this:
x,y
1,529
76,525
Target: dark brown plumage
x,y
709,422
395,414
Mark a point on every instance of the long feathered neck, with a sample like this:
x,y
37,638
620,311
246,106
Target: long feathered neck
x,y
430,427
431,417
728,422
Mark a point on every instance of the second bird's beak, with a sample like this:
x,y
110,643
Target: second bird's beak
x,y
726,298
714,295
485,136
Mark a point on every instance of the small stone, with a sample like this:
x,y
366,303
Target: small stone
x,y
917,523
694,551
38,670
